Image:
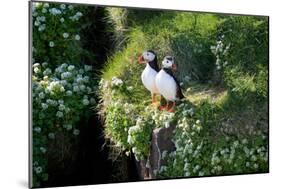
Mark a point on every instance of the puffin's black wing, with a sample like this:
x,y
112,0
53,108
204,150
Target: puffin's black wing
x,y
179,92
154,65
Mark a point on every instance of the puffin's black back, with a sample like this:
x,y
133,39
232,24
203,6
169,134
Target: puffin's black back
x,y
154,64
179,92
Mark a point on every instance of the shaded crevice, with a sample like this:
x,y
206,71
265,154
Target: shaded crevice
x,y
87,160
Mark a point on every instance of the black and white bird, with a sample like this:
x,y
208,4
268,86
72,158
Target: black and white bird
x,y
148,75
167,84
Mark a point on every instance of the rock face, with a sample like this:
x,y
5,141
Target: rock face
x,y
161,143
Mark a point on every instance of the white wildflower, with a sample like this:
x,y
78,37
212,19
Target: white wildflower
x,y
79,14
86,79
129,88
244,141
76,132
41,18
46,5
48,71
236,143
77,37
254,158
44,10
55,11
61,107
66,75
42,27
41,95
167,124
81,71
51,135
88,68
82,87
67,126
59,114
65,35
130,140
201,173
69,93
164,154
116,81
44,106
38,170
43,150
85,102
37,129
70,67
51,44
256,166
36,64
76,88
62,6
36,70
36,23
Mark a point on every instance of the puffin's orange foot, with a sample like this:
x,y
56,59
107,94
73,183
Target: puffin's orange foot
x,y
171,110
161,108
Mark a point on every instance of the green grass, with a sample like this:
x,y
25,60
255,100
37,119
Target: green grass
x,y
203,92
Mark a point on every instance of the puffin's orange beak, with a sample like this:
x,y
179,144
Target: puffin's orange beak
x,y
174,66
141,59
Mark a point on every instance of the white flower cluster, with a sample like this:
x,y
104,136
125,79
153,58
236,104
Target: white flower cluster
x,y
77,37
186,110
63,6
37,168
132,130
116,81
160,118
55,11
51,44
221,158
40,23
65,35
54,89
37,129
220,51
76,17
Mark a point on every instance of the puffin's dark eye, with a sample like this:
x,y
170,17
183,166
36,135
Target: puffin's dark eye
x,y
167,61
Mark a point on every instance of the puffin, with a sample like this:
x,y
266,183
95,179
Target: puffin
x,y
167,84
148,75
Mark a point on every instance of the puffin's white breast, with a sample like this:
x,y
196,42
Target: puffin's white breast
x,y
166,85
148,79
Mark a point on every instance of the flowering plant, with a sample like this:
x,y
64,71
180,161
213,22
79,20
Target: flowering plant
x,y
60,97
62,90
199,154
56,31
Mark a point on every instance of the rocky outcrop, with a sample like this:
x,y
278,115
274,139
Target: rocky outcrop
x,y
161,144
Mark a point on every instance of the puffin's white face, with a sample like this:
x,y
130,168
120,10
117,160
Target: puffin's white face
x,y
168,62
148,56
